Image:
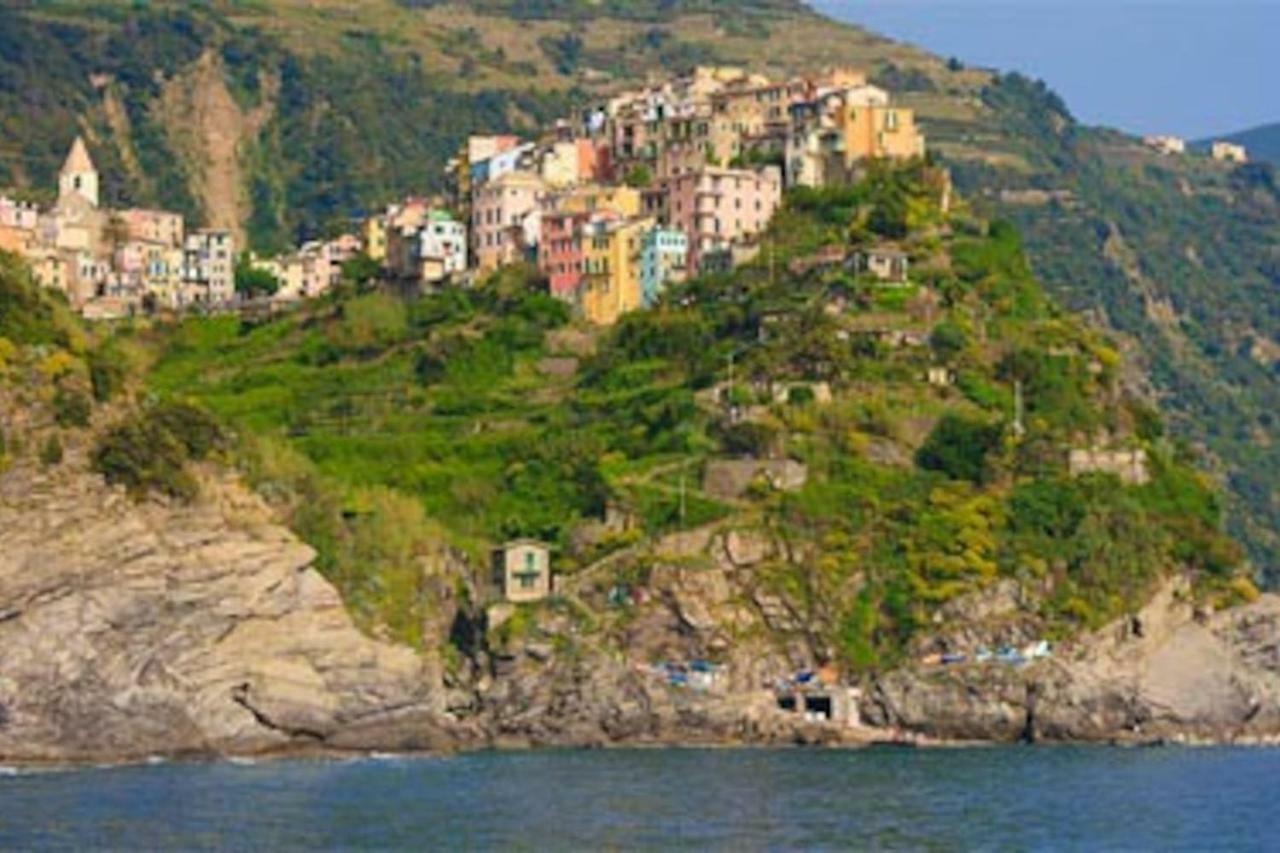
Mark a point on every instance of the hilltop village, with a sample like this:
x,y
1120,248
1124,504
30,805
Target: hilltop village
x,y
653,186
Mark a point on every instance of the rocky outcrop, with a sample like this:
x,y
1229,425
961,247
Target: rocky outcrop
x,y
542,698
1167,674
128,630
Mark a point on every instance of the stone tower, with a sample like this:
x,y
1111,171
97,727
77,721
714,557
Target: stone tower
x,y
78,176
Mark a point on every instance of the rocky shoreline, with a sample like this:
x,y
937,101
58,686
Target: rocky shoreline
x,y
133,631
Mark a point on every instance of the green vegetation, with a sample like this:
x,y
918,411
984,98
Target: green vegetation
x,y
1178,254
252,281
51,451
393,432
150,450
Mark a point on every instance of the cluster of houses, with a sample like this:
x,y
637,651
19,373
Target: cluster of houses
x,y
673,180
676,179
1222,151
109,261
116,262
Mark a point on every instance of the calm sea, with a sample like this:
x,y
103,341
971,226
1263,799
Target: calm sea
x,y
1005,798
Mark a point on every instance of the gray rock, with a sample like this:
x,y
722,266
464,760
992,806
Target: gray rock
x,y
1178,678
130,630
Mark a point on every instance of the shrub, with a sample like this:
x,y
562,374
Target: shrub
x,y
106,372
149,452
1047,507
197,432
51,451
800,395
958,447
748,439
71,408
251,281
948,340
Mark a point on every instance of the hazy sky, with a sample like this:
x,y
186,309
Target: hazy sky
x,y
1190,67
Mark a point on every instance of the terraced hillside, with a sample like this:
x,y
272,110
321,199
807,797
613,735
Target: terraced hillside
x,y
867,431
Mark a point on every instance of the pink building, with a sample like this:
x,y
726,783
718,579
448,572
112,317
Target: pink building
x,y
500,211
560,254
718,208
18,215
154,226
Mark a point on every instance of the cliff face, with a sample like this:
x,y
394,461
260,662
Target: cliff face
x,y
1167,673
128,630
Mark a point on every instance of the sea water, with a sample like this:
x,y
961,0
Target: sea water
x,y
1050,798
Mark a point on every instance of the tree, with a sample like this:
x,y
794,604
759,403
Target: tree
x,y
639,177
958,447
361,270
254,281
948,340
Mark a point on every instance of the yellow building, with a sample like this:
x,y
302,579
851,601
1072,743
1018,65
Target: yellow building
x,y
881,131
612,285
837,130
625,201
375,238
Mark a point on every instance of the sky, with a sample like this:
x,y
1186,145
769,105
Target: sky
x,y
1194,68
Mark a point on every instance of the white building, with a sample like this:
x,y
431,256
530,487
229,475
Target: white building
x,y
78,176
1167,145
1229,152
442,247
209,273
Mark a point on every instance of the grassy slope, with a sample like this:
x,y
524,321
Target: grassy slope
x,y
1197,306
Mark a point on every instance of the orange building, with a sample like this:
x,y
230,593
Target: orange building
x,y
840,128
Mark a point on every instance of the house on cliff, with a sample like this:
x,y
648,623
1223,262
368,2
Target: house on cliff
x,y
522,570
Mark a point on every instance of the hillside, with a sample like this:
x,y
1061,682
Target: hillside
x,y
288,117
382,427
1263,142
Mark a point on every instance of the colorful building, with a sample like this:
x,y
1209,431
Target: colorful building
x,y
522,571
597,198
501,214
664,259
840,128
162,227
1229,152
442,248
611,258
374,235
209,267
718,208
560,256
570,162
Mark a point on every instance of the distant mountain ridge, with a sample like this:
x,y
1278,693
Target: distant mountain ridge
x,y
1263,142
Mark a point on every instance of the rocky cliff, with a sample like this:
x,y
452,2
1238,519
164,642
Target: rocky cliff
x,y
128,630
1169,673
